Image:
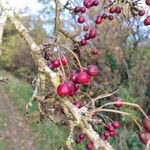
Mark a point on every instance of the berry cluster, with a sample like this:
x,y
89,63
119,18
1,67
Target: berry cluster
x,y
144,135
110,130
82,77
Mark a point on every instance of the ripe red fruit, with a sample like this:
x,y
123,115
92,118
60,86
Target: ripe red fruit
x,y
55,63
146,124
144,137
92,33
64,60
118,10
87,36
104,15
87,4
83,42
147,21
74,76
63,89
77,9
86,28
106,133
112,10
95,51
82,9
141,12
118,102
81,19
147,2
112,133
77,141
110,17
90,146
116,124
98,20
78,104
81,136
95,3
83,78
93,70
109,128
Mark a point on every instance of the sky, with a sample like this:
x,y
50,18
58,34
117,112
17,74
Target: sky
x,y
19,4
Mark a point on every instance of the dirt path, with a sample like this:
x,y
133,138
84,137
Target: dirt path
x,y
13,127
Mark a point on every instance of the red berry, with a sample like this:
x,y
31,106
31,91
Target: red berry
x,y
86,28
82,9
81,19
109,128
95,3
93,70
106,133
81,136
92,33
78,104
87,36
77,141
112,133
83,78
118,102
112,10
104,15
95,51
83,42
110,17
74,76
63,89
141,12
146,124
77,9
87,4
144,137
147,2
90,146
116,124
118,10
64,60
99,20
55,63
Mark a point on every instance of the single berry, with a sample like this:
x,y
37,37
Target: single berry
x,y
87,36
147,2
141,12
116,124
83,78
83,42
81,136
112,133
112,10
146,123
74,76
86,28
106,133
77,141
77,9
95,3
110,17
55,63
93,70
118,10
90,146
92,33
78,104
64,60
87,4
82,9
104,15
118,102
63,89
81,19
144,137
99,20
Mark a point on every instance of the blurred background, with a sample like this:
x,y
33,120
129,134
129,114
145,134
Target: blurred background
x,y
124,62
